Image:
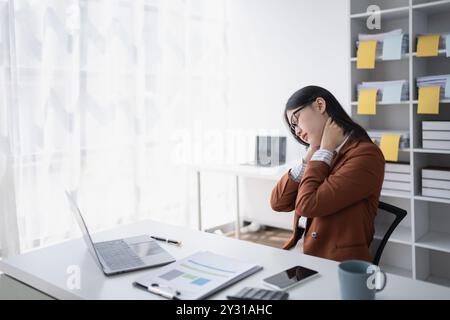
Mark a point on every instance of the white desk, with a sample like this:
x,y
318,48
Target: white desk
x,y
46,269
237,170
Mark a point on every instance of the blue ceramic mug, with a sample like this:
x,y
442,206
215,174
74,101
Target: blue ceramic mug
x,y
360,280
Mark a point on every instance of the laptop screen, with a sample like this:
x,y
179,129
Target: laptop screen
x,y
86,235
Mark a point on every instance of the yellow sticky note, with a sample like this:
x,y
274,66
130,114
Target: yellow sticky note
x,y
428,100
389,146
367,101
366,54
428,46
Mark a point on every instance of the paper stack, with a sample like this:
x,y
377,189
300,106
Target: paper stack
x,y
442,39
388,91
442,81
376,135
436,135
436,182
381,37
397,178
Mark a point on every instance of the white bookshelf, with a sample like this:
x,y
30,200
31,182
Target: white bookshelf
x,y
420,246
401,235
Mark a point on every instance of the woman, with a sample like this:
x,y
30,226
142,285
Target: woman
x,y
335,189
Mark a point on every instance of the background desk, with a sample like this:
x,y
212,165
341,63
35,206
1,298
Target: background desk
x,y
46,269
239,171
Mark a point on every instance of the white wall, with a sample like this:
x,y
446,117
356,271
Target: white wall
x,y
276,47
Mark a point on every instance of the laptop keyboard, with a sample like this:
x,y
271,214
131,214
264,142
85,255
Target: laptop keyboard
x,y
118,255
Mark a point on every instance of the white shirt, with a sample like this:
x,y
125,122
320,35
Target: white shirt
x,y
296,173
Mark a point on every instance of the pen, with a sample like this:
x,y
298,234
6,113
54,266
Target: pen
x,y
178,243
155,288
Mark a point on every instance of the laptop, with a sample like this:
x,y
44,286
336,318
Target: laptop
x,y
122,255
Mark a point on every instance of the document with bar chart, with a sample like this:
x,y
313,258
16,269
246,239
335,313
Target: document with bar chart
x,y
199,275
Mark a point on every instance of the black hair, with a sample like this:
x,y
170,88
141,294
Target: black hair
x,y
307,95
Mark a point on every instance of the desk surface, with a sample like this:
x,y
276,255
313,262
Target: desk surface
x,y
46,269
243,170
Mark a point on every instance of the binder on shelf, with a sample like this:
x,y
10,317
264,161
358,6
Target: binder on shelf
x,y
196,276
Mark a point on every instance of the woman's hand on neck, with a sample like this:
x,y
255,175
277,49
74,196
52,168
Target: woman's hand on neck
x,y
332,137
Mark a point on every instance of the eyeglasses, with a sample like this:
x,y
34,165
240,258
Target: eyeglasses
x,y
294,119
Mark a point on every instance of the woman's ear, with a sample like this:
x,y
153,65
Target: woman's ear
x,y
321,105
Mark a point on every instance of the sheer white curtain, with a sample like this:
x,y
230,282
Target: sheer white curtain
x,y
108,99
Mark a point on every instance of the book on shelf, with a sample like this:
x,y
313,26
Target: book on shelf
x,y
398,167
436,144
436,184
395,192
436,172
436,193
393,176
397,178
436,135
436,125
395,185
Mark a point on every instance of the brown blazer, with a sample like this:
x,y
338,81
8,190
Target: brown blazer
x,y
339,201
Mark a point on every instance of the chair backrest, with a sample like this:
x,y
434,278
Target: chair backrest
x,y
384,228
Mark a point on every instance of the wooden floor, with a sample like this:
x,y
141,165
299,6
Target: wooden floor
x,y
268,236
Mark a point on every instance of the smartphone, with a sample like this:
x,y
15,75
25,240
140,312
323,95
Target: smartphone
x,y
289,278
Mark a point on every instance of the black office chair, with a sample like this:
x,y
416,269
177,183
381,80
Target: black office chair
x,y
385,213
